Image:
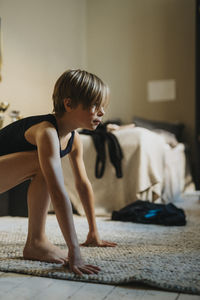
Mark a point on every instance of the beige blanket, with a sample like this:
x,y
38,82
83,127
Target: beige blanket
x,y
151,169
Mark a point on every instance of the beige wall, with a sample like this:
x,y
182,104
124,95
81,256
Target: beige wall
x,y
131,42
126,42
41,38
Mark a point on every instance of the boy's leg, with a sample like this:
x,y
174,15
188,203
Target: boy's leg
x,y
14,169
37,245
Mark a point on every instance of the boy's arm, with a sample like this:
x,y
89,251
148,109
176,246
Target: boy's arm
x,y
49,159
85,192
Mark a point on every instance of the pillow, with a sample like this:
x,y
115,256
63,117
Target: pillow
x,y
175,128
113,121
169,137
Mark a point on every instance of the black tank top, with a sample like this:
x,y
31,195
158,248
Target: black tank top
x,y
12,138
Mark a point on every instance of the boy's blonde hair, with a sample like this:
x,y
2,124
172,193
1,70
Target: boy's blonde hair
x,y
81,87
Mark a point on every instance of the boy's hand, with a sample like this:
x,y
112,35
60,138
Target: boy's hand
x,y
77,265
93,240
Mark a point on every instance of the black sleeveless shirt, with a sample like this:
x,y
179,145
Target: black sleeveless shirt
x,y
12,138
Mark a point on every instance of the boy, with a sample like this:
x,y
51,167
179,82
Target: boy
x,y
32,148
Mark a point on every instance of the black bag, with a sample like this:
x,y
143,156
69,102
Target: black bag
x,y
151,213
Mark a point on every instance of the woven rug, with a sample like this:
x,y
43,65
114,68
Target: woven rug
x,y
162,257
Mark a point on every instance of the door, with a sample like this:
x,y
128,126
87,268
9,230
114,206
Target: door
x,y
197,108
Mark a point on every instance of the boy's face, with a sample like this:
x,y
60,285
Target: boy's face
x,y
89,118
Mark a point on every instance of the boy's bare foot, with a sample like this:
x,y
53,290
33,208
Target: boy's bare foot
x,y
44,250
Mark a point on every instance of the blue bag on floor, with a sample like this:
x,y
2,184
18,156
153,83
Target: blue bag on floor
x,y
151,213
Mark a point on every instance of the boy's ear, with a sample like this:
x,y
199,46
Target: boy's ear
x,y
67,104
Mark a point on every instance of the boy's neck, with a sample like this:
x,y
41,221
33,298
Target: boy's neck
x,y
65,125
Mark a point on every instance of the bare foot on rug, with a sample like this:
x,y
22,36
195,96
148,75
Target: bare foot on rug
x,y
44,250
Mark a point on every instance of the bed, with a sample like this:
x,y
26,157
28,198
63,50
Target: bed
x,y
153,169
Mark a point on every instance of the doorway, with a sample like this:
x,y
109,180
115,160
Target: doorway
x,y
197,106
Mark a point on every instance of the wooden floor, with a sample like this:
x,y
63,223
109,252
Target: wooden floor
x,y
23,287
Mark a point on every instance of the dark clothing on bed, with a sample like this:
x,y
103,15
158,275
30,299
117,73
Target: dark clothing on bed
x,y
12,138
99,137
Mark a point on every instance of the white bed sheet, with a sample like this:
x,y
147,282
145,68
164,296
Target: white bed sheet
x,y
151,169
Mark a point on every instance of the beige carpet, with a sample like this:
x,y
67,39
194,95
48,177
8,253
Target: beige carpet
x,y
163,257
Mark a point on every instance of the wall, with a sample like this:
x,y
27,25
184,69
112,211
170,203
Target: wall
x,y
131,42
126,42
41,39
